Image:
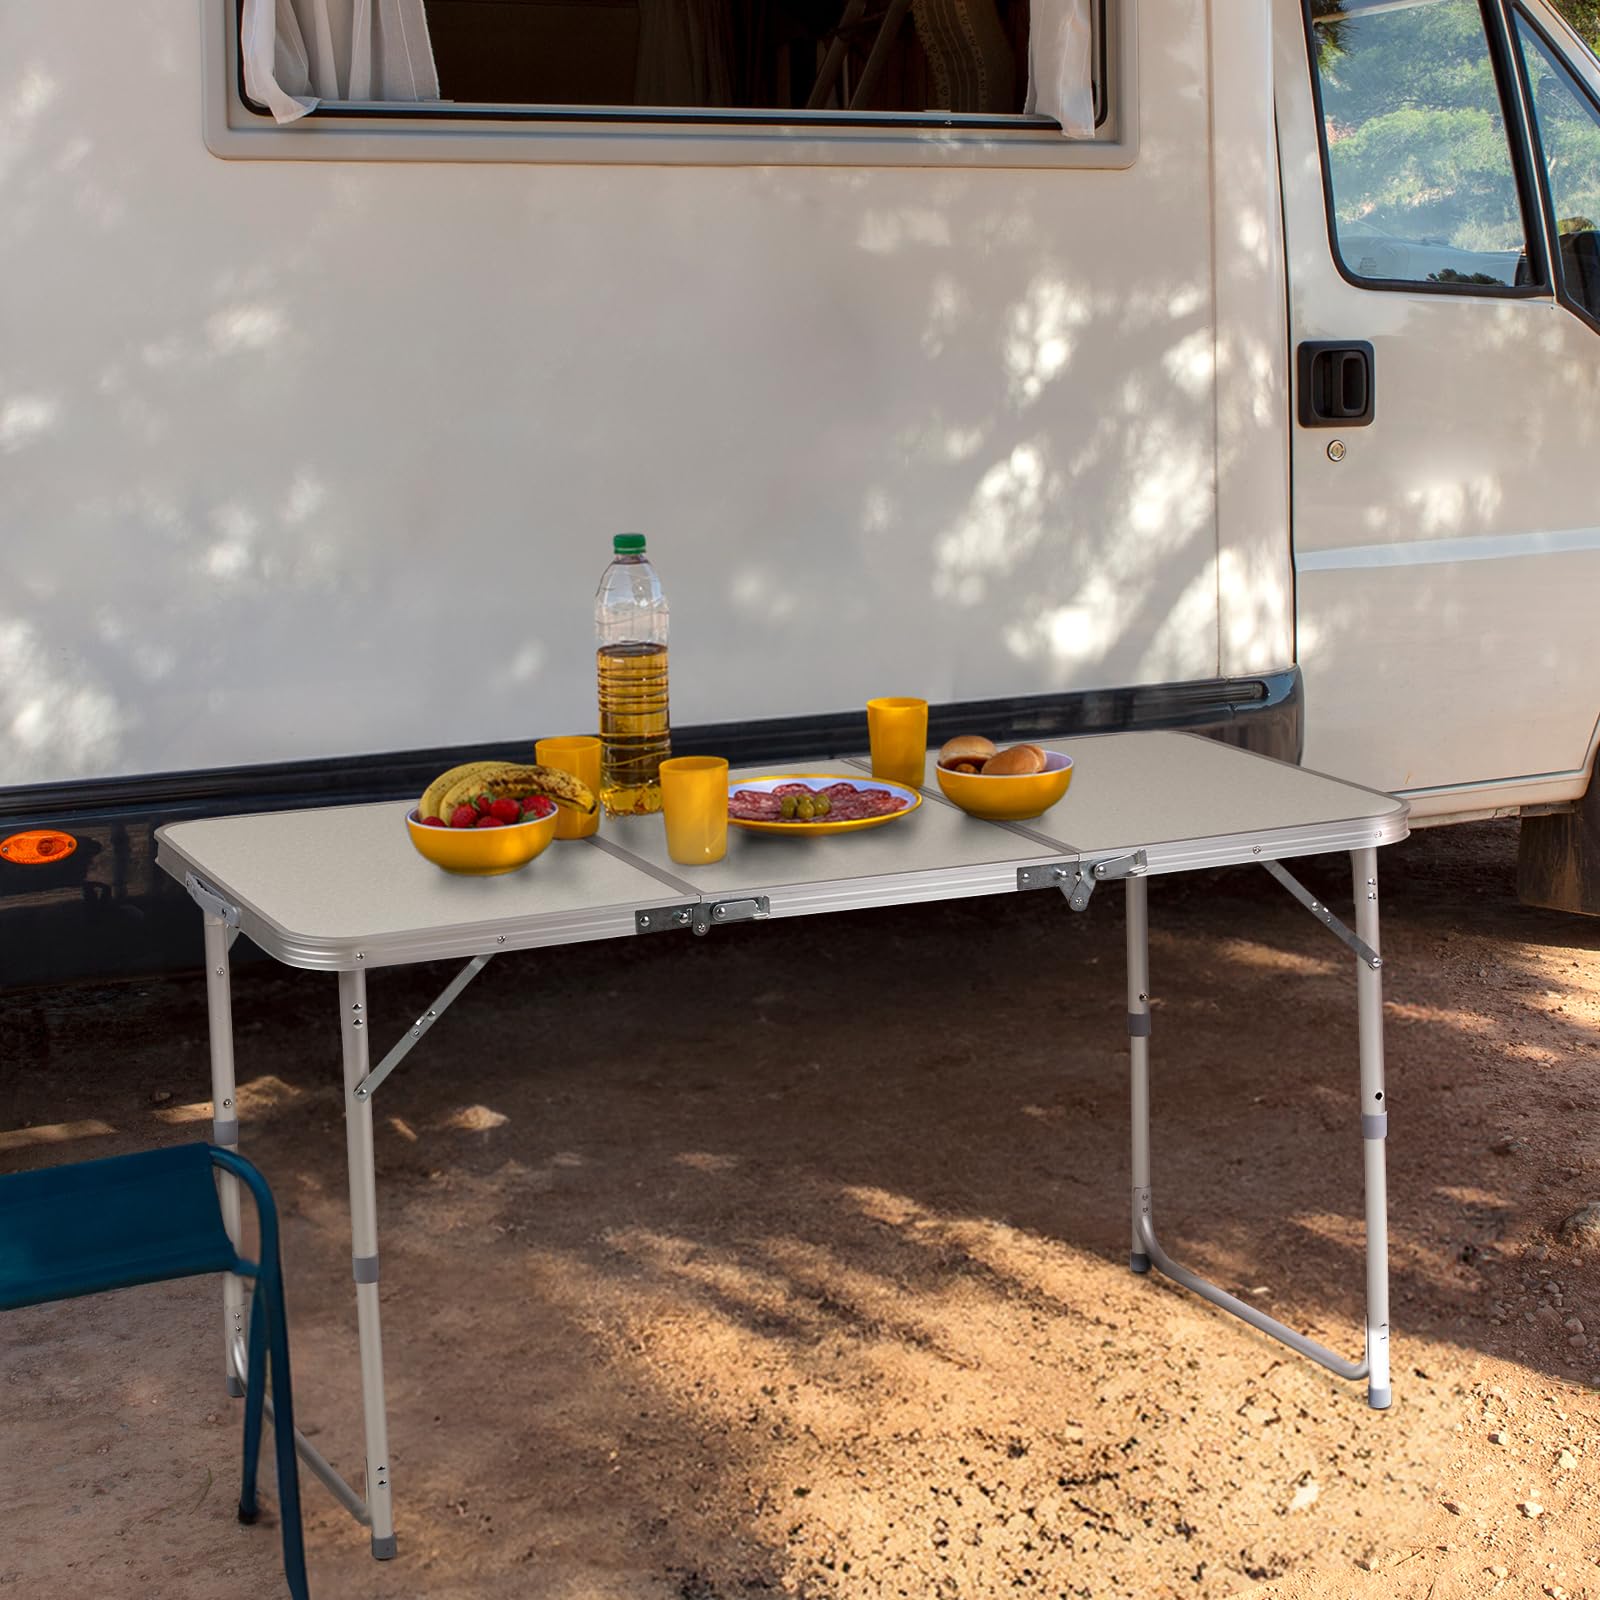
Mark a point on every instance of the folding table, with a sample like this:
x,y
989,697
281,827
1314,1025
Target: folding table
x,y
342,890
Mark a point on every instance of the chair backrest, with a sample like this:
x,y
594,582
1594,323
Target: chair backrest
x,y
94,1225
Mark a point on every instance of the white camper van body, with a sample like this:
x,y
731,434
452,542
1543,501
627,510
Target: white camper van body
x,y
314,436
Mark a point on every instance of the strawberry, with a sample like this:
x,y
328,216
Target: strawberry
x,y
434,822
508,811
489,822
538,805
485,803
463,817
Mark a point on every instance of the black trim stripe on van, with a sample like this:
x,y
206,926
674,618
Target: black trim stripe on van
x,y
107,911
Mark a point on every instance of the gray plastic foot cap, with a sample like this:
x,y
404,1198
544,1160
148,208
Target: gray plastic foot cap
x,y
1139,1261
384,1549
1379,1399
235,1387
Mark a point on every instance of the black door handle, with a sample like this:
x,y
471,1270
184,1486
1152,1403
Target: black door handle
x,y
1335,384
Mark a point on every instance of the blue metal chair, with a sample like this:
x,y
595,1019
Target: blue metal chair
x,y
143,1218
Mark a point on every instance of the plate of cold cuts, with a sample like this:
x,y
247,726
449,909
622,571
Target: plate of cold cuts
x,y
803,803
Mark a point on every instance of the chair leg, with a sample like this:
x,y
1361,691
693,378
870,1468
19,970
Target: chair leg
x,y
294,1549
254,1397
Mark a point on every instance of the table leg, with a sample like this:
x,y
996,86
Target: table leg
x,y
1138,940
225,1132
1147,1248
1374,1130
353,1027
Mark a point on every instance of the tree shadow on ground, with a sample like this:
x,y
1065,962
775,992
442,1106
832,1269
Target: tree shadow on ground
x,y
811,1236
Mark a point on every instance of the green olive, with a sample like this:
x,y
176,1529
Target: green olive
x,y
788,806
823,804
806,808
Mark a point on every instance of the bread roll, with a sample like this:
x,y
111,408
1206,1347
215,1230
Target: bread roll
x,y
967,751
1018,761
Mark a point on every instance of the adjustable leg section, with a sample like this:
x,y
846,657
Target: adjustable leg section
x,y
361,1079
1374,1129
1139,1052
317,1463
353,1026
1147,1251
225,1131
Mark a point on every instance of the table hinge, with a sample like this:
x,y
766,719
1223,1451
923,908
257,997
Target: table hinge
x,y
1053,875
208,899
1076,881
707,917
660,919
702,917
1133,866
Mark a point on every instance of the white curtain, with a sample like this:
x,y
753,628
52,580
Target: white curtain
x,y
1061,66
297,52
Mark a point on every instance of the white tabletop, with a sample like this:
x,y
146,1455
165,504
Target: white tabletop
x,y
932,853
1190,802
342,887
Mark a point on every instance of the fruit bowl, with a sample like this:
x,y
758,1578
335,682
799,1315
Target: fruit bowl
x,y
1008,797
482,852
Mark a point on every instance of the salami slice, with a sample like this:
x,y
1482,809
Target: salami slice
x,y
792,788
874,803
752,805
834,790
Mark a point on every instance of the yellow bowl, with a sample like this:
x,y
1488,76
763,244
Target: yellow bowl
x,y
1008,797
482,852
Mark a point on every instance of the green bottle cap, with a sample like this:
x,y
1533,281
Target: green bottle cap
x,y
628,544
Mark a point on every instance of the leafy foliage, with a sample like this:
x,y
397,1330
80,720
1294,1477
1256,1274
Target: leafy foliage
x,y
1570,138
1419,162
1416,142
1584,15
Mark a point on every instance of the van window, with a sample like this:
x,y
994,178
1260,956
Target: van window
x,y
1568,130
989,63
727,55
1421,185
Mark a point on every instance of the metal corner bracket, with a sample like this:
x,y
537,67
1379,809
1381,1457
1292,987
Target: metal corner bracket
x,y
210,901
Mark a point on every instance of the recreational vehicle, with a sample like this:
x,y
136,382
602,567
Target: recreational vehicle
x,y
1074,364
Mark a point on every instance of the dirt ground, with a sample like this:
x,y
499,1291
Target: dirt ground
x,y
793,1261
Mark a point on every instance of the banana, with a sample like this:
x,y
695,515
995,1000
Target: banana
x,y
516,782
503,779
464,790
433,795
519,781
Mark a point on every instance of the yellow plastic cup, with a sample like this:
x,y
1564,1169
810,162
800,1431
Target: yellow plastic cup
x,y
898,731
694,800
579,754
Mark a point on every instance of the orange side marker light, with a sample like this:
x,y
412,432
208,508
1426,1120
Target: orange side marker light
x,y
37,847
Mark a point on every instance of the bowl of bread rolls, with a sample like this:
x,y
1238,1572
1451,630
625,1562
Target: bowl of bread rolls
x,y
1008,785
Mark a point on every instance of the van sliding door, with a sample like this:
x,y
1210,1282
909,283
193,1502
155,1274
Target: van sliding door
x,y
1446,414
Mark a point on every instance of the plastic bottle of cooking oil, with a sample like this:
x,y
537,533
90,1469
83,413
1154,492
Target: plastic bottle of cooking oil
x,y
630,625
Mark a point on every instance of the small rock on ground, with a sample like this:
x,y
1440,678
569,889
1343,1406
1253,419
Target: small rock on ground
x,y
1583,1226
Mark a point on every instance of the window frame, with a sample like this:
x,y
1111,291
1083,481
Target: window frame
x,y
1520,13
237,127
1529,195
